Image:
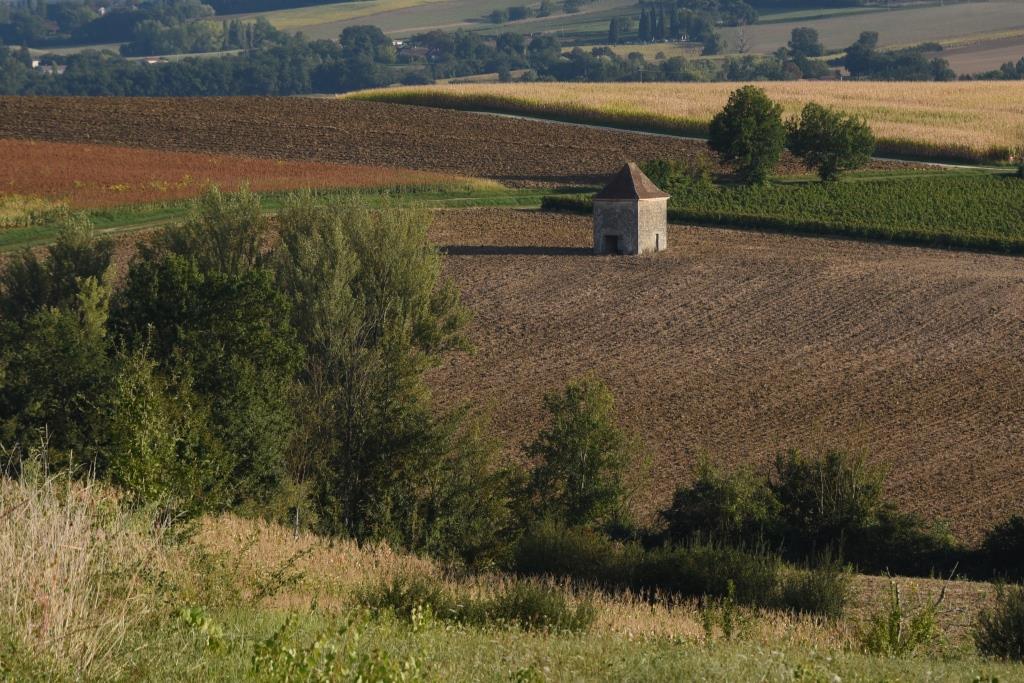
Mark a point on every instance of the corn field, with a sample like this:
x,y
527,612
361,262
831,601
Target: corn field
x,y
965,121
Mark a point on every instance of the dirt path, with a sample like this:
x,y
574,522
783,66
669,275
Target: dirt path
x,y
736,345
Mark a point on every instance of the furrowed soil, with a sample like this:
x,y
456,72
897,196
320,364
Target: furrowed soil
x,y
91,176
514,151
738,345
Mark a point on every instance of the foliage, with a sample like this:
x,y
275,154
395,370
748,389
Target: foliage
x,y
160,451
372,321
1003,549
749,133
804,42
897,630
737,508
581,456
864,60
524,604
822,501
829,141
54,360
823,589
999,631
692,569
230,333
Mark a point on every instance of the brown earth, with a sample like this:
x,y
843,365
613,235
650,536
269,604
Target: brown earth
x,y
514,151
736,345
90,176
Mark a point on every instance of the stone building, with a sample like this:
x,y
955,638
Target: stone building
x,y
630,215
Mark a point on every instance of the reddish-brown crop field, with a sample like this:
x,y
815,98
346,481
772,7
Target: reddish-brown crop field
x,y
510,150
737,345
89,175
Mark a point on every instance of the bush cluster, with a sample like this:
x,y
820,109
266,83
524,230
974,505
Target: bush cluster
x,y
526,604
692,569
809,508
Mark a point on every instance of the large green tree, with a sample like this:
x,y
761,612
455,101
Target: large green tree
x,y
373,313
201,304
829,141
581,457
749,133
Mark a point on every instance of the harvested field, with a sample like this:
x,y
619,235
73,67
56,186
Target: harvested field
x,y
985,55
738,345
91,176
344,131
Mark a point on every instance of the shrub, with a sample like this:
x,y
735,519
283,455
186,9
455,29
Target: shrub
x,y
822,590
533,605
704,569
749,133
824,501
582,456
999,631
524,604
829,141
897,630
736,508
1003,549
552,549
406,592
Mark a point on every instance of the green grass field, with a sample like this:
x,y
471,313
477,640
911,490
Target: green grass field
x,y
145,216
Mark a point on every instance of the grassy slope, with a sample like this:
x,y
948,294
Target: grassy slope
x,y
632,640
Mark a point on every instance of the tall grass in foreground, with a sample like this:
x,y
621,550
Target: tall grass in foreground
x,y
71,565
964,121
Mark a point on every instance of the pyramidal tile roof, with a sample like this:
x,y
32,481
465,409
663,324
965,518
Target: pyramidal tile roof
x,y
630,183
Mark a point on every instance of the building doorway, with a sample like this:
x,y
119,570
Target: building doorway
x,y
611,244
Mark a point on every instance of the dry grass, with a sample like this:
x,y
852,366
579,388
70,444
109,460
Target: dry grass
x,y
71,590
19,211
91,176
970,121
333,571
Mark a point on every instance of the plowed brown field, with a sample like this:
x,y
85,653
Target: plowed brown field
x,y
514,151
89,176
738,344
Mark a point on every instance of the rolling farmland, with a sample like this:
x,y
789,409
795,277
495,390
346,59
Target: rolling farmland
x,y
970,121
733,344
902,26
91,176
513,151
736,344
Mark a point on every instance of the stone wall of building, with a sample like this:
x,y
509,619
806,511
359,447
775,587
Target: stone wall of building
x,y
615,218
639,226
652,225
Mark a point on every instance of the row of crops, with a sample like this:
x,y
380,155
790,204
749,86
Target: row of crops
x,y
967,211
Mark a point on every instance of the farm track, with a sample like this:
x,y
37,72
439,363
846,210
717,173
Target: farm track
x,y
514,151
737,345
